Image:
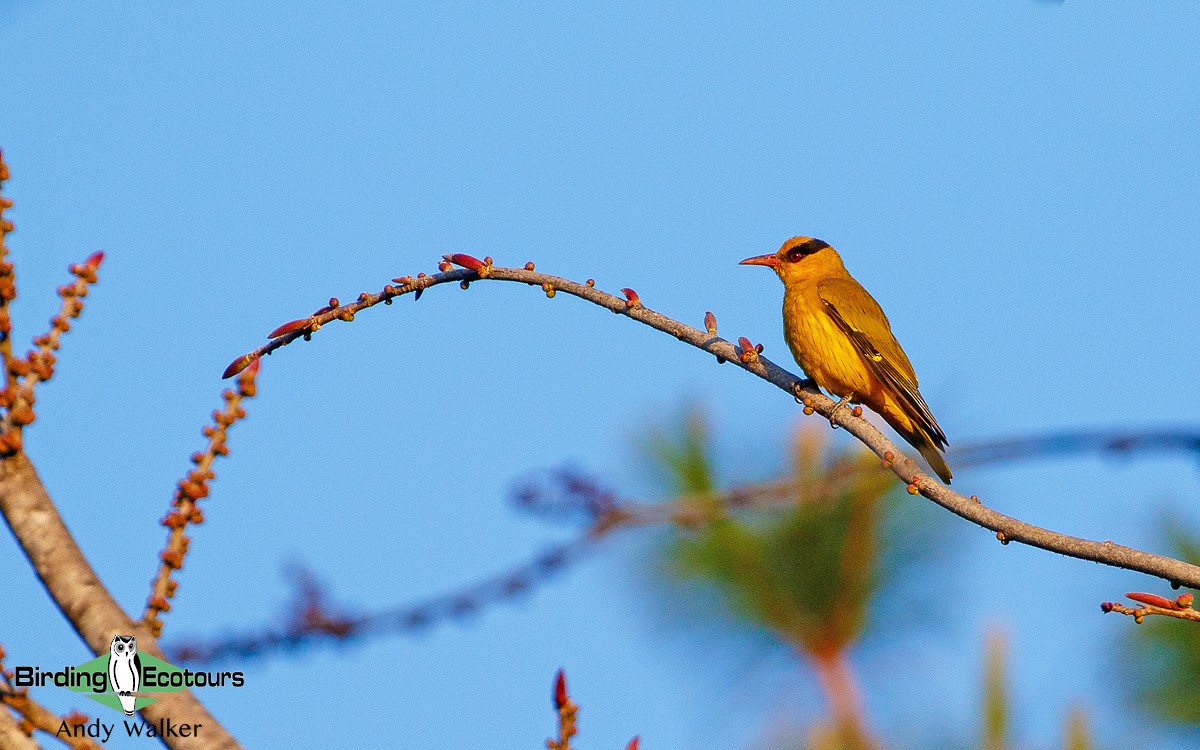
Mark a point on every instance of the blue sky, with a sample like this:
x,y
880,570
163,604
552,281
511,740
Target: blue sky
x,y
1015,182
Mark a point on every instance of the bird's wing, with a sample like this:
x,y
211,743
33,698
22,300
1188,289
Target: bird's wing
x,y
862,320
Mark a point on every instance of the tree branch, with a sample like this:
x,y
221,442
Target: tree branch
x,y
84,601
1152,604
568,496
38,365
191,489
42,718
1074,442
11,736
8,282
1008,529
312,617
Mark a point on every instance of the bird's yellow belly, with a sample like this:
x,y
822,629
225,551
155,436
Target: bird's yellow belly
x,y
824,351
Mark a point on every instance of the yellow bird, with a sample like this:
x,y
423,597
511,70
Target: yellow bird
x,y
838,333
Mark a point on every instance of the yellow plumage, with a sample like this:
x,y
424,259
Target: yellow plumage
x,y
840,336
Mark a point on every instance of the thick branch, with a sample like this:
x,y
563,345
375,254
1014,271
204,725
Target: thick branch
x,y
11,736
1007,528
84,601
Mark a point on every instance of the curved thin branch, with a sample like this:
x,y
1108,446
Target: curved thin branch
x,y
1007,529
78,592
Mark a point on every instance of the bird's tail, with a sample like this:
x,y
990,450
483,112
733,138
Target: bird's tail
x,y
924,442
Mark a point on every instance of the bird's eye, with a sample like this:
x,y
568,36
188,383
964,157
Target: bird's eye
x,y
808,247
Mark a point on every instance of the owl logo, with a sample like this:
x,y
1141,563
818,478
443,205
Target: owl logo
x,y
124,671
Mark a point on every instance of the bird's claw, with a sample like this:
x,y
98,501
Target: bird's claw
x,y
799,388
841,404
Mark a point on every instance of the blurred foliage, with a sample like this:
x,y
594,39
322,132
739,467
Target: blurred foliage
x,y
995,695
686,457
997,704
995,718
806,569
1163,654
1079,736
803,565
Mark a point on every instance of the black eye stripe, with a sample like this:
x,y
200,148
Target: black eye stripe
x,y
805,248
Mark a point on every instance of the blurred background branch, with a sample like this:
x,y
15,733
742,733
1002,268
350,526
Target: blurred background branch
x,y
696,502
813,559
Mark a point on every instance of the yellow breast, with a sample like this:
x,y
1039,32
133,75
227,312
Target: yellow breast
x,y
820,347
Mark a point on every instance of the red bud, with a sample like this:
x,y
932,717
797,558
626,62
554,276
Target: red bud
x,y
710,325
289,327
631,298
466,261
560,690
750,352
95,259
633,744
237,365
1153,600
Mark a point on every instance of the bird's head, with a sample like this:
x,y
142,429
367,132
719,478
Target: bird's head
x,y
797,257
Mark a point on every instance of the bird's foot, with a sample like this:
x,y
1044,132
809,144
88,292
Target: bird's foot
x,y
843,403
801,386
